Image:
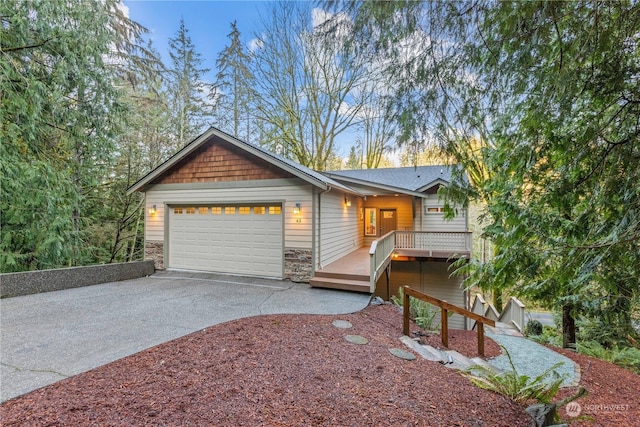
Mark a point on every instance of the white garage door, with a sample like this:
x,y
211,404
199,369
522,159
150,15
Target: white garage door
x,y
237,239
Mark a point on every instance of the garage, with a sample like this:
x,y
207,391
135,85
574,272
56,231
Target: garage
x,y
242,239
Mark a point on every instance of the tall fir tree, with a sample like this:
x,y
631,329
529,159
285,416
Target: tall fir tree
x,y
61,111
190,95
234,86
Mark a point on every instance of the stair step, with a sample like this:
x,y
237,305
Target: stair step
x,y
345,276
449,358
346,285
426,351
459,361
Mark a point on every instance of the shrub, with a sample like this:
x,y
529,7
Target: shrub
x,y
550,335
534,327
626,356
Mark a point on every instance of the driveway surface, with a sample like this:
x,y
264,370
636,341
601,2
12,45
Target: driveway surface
x,y
51,336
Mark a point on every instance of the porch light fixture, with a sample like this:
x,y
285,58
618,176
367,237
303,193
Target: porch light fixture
x,y
347,202
152,209
297,208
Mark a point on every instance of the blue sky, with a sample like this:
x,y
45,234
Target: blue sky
x,y
208,22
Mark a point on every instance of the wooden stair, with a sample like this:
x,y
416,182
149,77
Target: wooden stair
x,y
342,281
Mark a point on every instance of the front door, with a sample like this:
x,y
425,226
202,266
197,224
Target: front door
x,y
388,221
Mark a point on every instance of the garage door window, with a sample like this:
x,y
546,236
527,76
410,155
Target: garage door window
x,y
203,210
230,210
191,211
259,210
244,210
177,211
216,210
274,210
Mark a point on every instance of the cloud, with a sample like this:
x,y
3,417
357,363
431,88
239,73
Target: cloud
x,y
123,8
256,43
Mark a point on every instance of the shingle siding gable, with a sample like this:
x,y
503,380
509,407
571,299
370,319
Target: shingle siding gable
x,y
216,161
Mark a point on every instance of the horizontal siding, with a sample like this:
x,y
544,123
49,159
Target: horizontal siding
x,y
436,221
297,234
340,226
431,278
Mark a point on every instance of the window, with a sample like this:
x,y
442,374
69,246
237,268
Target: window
x,y
259,210
370,225
244,210
191,211
216,210
203,210
274,210
177,211
433,209
230,210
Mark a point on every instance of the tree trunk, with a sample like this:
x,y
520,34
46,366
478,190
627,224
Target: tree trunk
x,y
568,327
497,300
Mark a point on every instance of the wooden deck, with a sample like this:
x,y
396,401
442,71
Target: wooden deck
x,y
349,273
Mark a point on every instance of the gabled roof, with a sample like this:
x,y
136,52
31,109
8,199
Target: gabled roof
x,y
302,172
409,180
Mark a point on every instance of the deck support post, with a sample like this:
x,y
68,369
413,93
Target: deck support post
x,y
405,317
444,326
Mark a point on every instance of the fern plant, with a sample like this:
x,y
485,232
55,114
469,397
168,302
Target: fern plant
x,y
520,388
421,312
625,356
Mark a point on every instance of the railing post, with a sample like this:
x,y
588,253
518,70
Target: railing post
x,y
481,339
405,308
444,327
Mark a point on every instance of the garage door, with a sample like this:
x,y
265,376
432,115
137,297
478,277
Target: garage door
x,y
237,239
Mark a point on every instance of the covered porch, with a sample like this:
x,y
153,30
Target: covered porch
x,y
360,270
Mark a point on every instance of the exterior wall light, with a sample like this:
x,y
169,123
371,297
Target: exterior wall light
x,y
347,202
297,208
152,209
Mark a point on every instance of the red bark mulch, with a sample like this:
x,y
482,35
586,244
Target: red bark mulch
x,y
289,370
275,370
614,394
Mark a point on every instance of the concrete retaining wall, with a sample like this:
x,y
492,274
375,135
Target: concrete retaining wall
x,y
34,282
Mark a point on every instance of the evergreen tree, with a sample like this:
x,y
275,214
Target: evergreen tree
x,y
354,160
60,113
234,83
549,89
189,94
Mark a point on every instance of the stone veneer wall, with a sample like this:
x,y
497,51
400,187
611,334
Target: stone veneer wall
x,y
298,265
155,252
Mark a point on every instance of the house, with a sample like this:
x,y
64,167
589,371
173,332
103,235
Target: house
x,y
224,205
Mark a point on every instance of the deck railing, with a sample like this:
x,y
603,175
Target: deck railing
x,y
383,248
380,255
512,314
434,240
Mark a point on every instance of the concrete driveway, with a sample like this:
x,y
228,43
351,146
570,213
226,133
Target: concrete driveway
x,y
51,336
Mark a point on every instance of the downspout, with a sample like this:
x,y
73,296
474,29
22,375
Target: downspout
x,y
319,224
